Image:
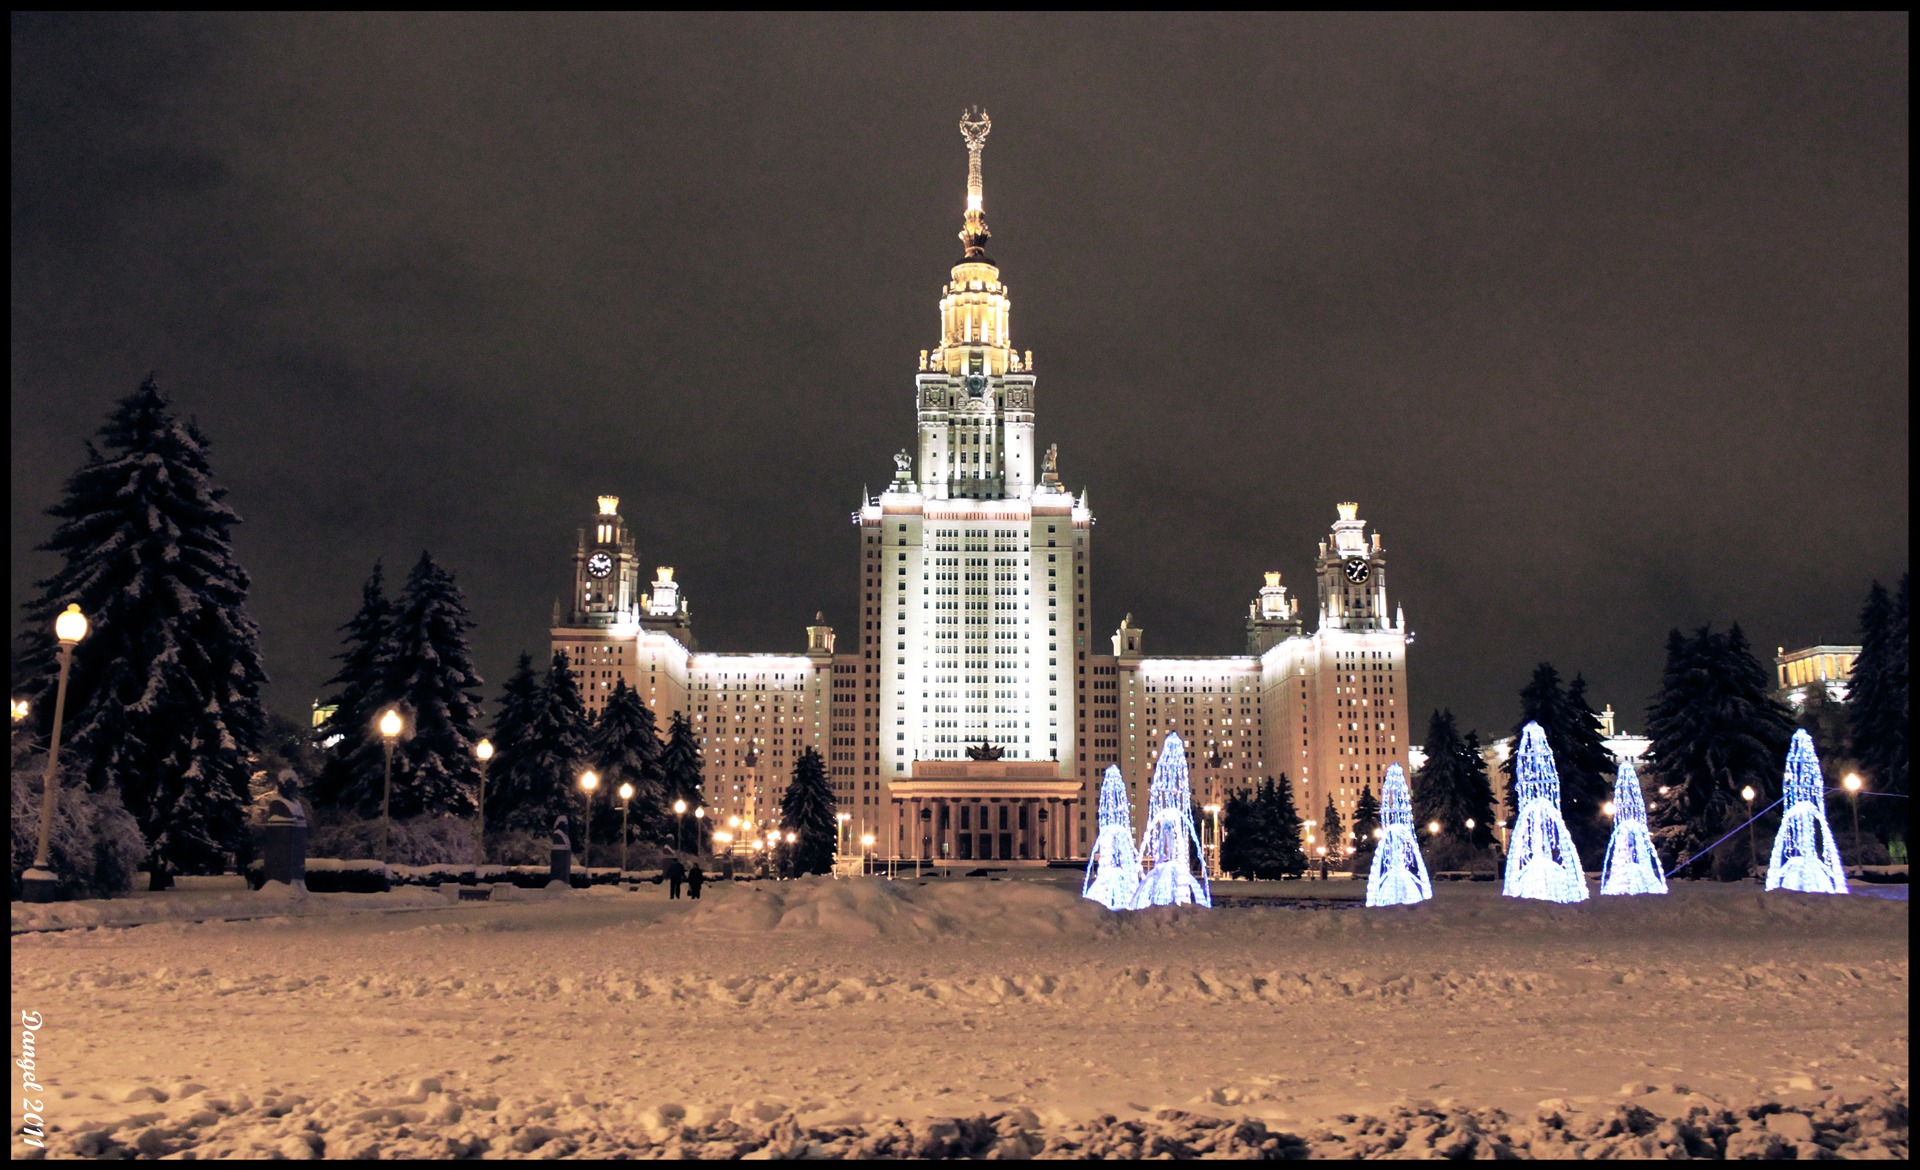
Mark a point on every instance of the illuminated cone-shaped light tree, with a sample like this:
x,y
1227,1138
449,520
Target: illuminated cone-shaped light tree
x,y
1399,874
1113,871
1541,861
1631,866
1805,857
1170,840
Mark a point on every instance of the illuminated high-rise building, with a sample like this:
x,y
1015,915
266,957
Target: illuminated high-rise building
x,y
973,716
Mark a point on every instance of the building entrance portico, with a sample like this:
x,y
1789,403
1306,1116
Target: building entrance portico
x,y
1008,811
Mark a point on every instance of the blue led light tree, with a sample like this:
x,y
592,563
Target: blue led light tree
x,y
1113,869
1631,865
1170,838
1805,857
1541,860
1399,874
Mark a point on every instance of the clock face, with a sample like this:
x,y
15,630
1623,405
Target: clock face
x,y
976,384
1358,570
600,564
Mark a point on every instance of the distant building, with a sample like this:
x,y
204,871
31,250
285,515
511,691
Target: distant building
x,y
1802,673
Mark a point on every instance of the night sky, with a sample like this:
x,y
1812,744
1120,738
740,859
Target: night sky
x,y
1602,320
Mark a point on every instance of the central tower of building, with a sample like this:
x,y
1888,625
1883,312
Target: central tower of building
x,y
974,578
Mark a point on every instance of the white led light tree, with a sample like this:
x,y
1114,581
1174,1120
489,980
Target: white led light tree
x,y
1399,874
1170,839
1541,861
1113,869
1805,857
1631,865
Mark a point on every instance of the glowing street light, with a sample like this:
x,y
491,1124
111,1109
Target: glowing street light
x,y
840,833
38,883
1753,852
589,780
1214,809
866,844
21,708
390,725
1433,827
483,751
626,803
1853,784
679,824
1607,808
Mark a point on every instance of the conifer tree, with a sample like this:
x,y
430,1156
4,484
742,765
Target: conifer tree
x,y
163,695
680,763
1877,708
627,748
517,797
1479,792
807,809
1366,818
1273,846
1333,831
538,782
1236,822
351,775
1441,784
1580,756
433,678
1715,729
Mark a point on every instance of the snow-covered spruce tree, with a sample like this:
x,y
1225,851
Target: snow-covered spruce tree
x,y
626,747
1333,831
1273,847
163,700
1366,819
558,749
1479,791
807,808
1441,784
1236,824
516,797
351,776
1877,709
1715,729
680,763
434,768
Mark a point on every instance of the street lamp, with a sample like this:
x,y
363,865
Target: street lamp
x,y
1214,809
1853,784
483,750
37,884
866,843
679,823
839,839
1433,827
20,710
589,780
1607,808
626,802
699,814
1753,852
389,732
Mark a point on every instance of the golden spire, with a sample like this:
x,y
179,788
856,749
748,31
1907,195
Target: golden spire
x,y
974,125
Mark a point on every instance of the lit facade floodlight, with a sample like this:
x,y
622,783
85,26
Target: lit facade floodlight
x,y
70,626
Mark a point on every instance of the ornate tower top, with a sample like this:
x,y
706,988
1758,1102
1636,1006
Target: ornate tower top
x,y
974,127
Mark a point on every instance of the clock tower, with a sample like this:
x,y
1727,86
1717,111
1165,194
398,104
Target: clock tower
x,y
1353,576
606,571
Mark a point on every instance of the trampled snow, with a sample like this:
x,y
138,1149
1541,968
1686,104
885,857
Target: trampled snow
x,y
956,1016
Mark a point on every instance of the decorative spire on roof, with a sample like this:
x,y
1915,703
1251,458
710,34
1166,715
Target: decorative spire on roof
x,y
974,126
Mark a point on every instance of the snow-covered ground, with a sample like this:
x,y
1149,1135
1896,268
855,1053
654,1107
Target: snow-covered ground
x,y
962,1016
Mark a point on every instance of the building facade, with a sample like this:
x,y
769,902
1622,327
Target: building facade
x,y
974,715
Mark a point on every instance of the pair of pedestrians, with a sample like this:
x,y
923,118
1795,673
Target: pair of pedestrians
x,y
677,873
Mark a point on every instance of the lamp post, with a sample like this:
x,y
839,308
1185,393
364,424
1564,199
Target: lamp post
x,y
840,834
484,752
679,824
1214,810
866,843
389,732
1607,808
1433,828
37,884
1753,854
1853,784
589,781
626,802
699,815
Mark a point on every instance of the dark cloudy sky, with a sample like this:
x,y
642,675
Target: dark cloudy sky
x,y
1602,320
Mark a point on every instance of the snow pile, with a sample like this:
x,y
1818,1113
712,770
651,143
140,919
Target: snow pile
x,y
874,908
429,1120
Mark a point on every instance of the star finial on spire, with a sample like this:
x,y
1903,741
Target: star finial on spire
x,y
974,127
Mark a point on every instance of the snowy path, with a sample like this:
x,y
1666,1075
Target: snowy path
x,y
605,1022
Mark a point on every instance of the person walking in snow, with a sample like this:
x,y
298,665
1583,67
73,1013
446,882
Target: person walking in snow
x,y
693,881
675,874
